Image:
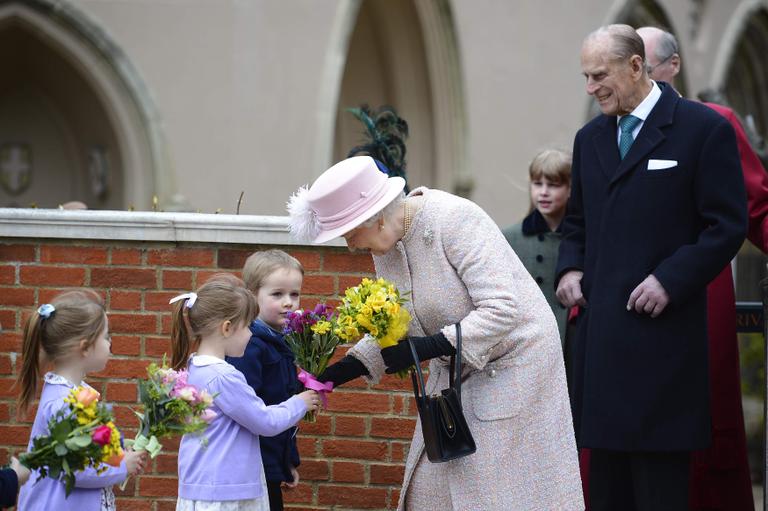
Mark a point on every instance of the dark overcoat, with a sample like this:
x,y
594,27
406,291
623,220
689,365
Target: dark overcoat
x,y
641,383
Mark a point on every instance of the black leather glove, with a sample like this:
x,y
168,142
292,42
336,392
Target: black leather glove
x,y
399,357
346,369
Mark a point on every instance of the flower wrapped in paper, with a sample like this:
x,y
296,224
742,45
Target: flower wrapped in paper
x,y
311,337
373,307
82,434
172,407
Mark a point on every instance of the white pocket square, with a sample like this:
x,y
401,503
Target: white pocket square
x,y
661,164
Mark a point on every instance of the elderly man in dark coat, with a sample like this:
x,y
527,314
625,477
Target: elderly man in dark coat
x,y
657,209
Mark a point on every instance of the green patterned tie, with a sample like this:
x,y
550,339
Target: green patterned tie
x,y
628,123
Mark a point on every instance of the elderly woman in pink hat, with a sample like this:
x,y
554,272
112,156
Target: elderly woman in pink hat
x,y
459,268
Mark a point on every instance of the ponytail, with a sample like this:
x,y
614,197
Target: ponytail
x,y
30,367
195,315
53,331
183,340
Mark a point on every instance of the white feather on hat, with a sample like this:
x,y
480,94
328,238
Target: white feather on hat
x,y
303,219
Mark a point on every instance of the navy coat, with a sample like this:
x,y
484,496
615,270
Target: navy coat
x,y
641,384
9,487
268,367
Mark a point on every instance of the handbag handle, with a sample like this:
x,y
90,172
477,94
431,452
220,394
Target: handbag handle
x,y
418,377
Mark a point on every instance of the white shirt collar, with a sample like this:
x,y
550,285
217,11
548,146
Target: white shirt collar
x,y
52,378
206,360
643,110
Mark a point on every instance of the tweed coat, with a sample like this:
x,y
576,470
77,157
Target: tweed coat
x,y
641,383
459,268
538,253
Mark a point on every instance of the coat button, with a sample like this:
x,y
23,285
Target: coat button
x,y
539,280
492,373
541,237
539,258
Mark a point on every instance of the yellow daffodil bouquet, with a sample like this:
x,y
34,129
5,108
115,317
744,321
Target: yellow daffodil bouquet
x,y
373,307
82,434
310,336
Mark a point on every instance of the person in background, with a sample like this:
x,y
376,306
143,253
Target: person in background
x,y
720,477
537,238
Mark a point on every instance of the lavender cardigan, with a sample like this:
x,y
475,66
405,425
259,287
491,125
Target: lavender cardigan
x,y
230,467
49,494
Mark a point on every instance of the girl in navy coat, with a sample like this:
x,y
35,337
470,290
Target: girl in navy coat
x,y
275,279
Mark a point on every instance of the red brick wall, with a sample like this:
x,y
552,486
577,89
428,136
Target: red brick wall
x,y
352,457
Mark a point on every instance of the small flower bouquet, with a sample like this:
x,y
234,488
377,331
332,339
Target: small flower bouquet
x,y
310,336
373,307
171,407
81,435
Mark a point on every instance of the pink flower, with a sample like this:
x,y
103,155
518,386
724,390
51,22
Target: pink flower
x,y
187,393
208,415
206,398
101,435
86,396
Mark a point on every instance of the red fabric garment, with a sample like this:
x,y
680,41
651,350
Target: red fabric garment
x,y
720,478
755,181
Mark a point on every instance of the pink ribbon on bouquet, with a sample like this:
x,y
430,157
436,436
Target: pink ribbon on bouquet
x,y
310,382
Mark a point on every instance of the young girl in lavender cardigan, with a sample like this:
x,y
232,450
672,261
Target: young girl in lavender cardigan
x,y
71,333
227,473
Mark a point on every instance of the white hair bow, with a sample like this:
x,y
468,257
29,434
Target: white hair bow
x,y
190,297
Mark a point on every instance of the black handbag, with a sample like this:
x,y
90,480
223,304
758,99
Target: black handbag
x,y
445,430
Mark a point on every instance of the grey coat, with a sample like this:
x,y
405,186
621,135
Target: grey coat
x,y
538,253
458,266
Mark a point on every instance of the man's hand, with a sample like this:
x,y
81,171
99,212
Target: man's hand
x,y
649,297
569,289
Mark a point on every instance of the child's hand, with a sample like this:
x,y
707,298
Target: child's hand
x,y
22,472
311,399
134,461
295,475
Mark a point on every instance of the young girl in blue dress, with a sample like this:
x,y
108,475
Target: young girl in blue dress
x,y
226,474
71,333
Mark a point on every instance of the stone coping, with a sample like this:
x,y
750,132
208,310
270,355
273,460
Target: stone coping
x,y
147,226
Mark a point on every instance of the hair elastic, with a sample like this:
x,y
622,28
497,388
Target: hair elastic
x,y
190,297
45,310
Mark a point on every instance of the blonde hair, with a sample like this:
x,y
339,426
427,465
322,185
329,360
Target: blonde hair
x,y
222,298
553,164
78,315
261,265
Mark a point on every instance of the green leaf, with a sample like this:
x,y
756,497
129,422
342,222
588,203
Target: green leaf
x,y
54,469
61,431
61,450
69,484
79,441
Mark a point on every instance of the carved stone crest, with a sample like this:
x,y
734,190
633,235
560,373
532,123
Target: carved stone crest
x,y
15,167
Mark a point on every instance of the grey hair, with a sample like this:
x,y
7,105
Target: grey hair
x,y
387,211
625,41
666,46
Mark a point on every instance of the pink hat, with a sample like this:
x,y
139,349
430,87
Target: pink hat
x,y
342,198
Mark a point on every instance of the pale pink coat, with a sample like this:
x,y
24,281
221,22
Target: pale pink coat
x,y
458,267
